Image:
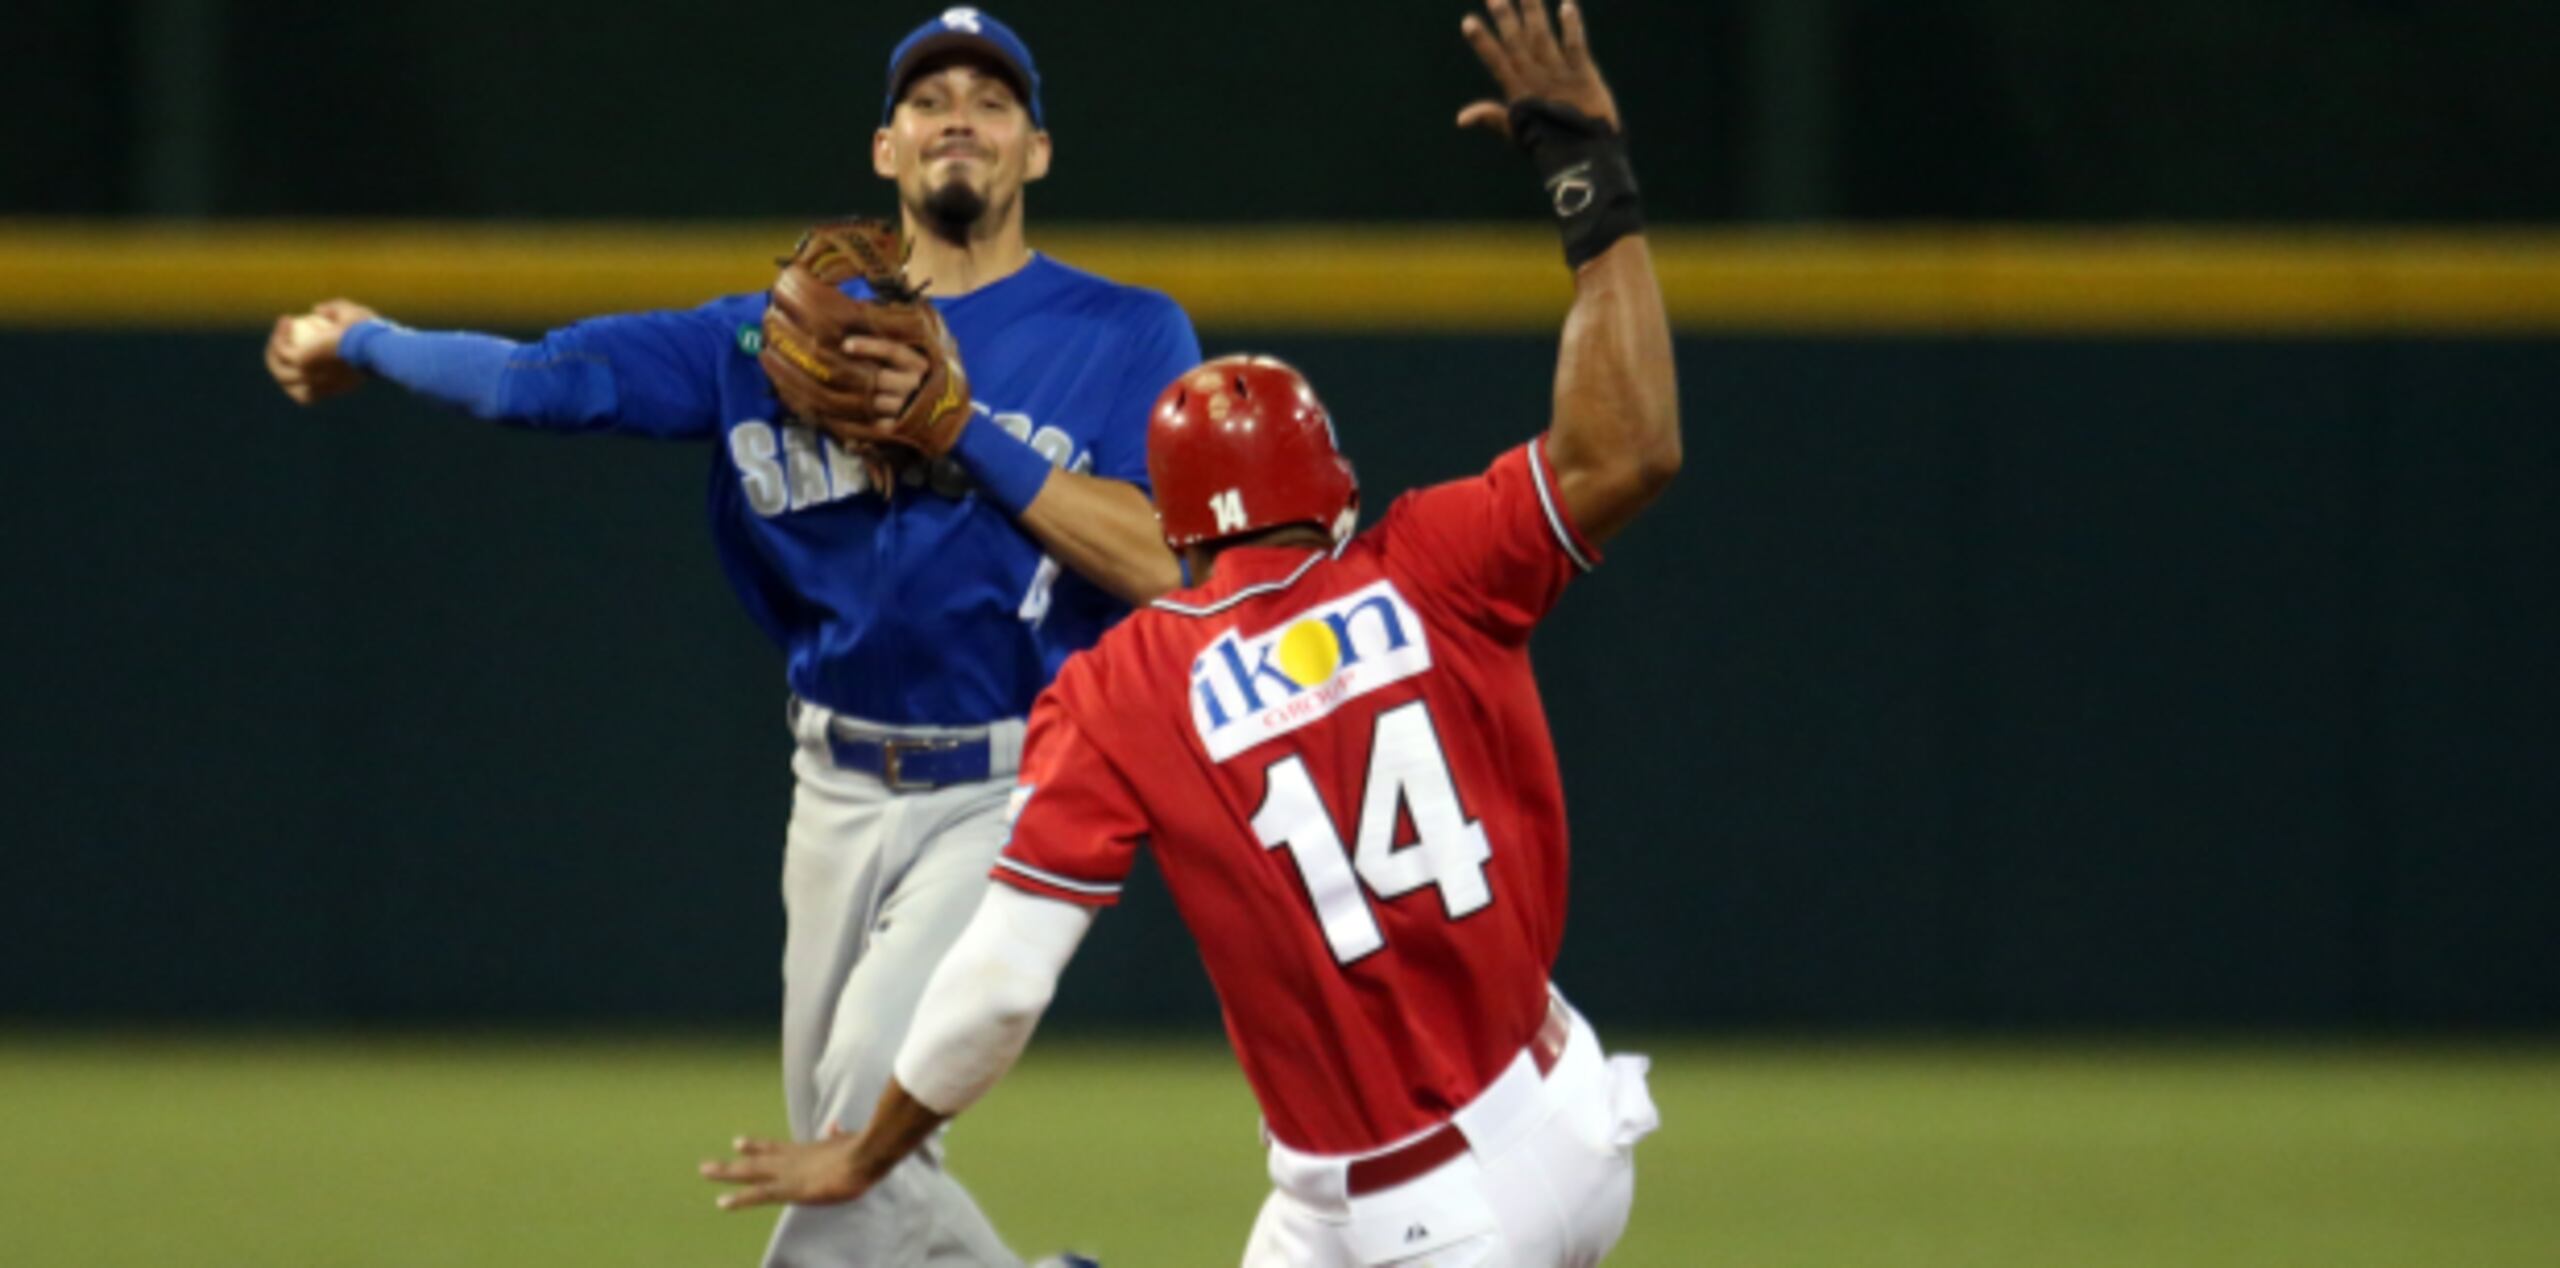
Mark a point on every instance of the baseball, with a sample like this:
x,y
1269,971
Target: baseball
x,y
308,331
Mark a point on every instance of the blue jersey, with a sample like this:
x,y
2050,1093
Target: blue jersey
x,y
929,607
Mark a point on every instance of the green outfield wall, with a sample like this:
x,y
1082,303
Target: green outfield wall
x,y
2104,673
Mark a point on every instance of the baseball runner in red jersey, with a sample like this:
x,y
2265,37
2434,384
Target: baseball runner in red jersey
x,y
1335,746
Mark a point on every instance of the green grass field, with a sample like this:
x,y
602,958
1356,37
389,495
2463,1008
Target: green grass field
x,y
184,1152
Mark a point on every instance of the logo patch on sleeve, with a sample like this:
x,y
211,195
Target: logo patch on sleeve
x,y
1245,690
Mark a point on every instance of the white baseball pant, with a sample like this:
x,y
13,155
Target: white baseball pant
x,y
1546,1181
876,885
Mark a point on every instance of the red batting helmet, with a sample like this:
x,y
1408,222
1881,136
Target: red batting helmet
x,y
1240,444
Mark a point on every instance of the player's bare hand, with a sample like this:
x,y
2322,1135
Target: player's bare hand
x,y
807,1172
902,371
302,351
1529,57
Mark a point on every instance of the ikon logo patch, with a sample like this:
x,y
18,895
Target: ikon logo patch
x,y
1245,690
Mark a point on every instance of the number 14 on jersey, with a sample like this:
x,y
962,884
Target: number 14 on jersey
x,y
1407,770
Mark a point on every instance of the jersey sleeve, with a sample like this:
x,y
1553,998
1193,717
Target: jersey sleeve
x,y
1076,822
1499,547
648,374
1161,348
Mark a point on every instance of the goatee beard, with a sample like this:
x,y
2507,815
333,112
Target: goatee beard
x,y
951,210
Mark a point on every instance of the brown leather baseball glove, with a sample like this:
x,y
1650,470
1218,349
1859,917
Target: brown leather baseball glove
x,y
807,322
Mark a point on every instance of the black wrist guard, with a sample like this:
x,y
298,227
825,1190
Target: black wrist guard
x,y
1583,163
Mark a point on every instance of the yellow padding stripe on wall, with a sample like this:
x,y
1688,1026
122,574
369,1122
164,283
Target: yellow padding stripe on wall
x,y
1345,278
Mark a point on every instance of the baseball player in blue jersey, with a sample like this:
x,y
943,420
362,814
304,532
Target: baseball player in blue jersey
x,y
918,627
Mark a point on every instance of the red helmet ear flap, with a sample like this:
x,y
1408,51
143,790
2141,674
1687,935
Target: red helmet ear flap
x,y
1240,444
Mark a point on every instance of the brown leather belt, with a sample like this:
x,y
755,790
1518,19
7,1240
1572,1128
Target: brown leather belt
x,y
1395,1166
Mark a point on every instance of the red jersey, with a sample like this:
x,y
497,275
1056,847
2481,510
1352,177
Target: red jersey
x,y
1341,761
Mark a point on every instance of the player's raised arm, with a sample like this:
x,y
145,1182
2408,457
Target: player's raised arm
x,y
1615,436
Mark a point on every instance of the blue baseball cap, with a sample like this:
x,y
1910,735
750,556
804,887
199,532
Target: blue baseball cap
x,y
964,29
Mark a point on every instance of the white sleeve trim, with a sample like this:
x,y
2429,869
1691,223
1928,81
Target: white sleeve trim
x,y
982,1004
1052,879
1555,510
